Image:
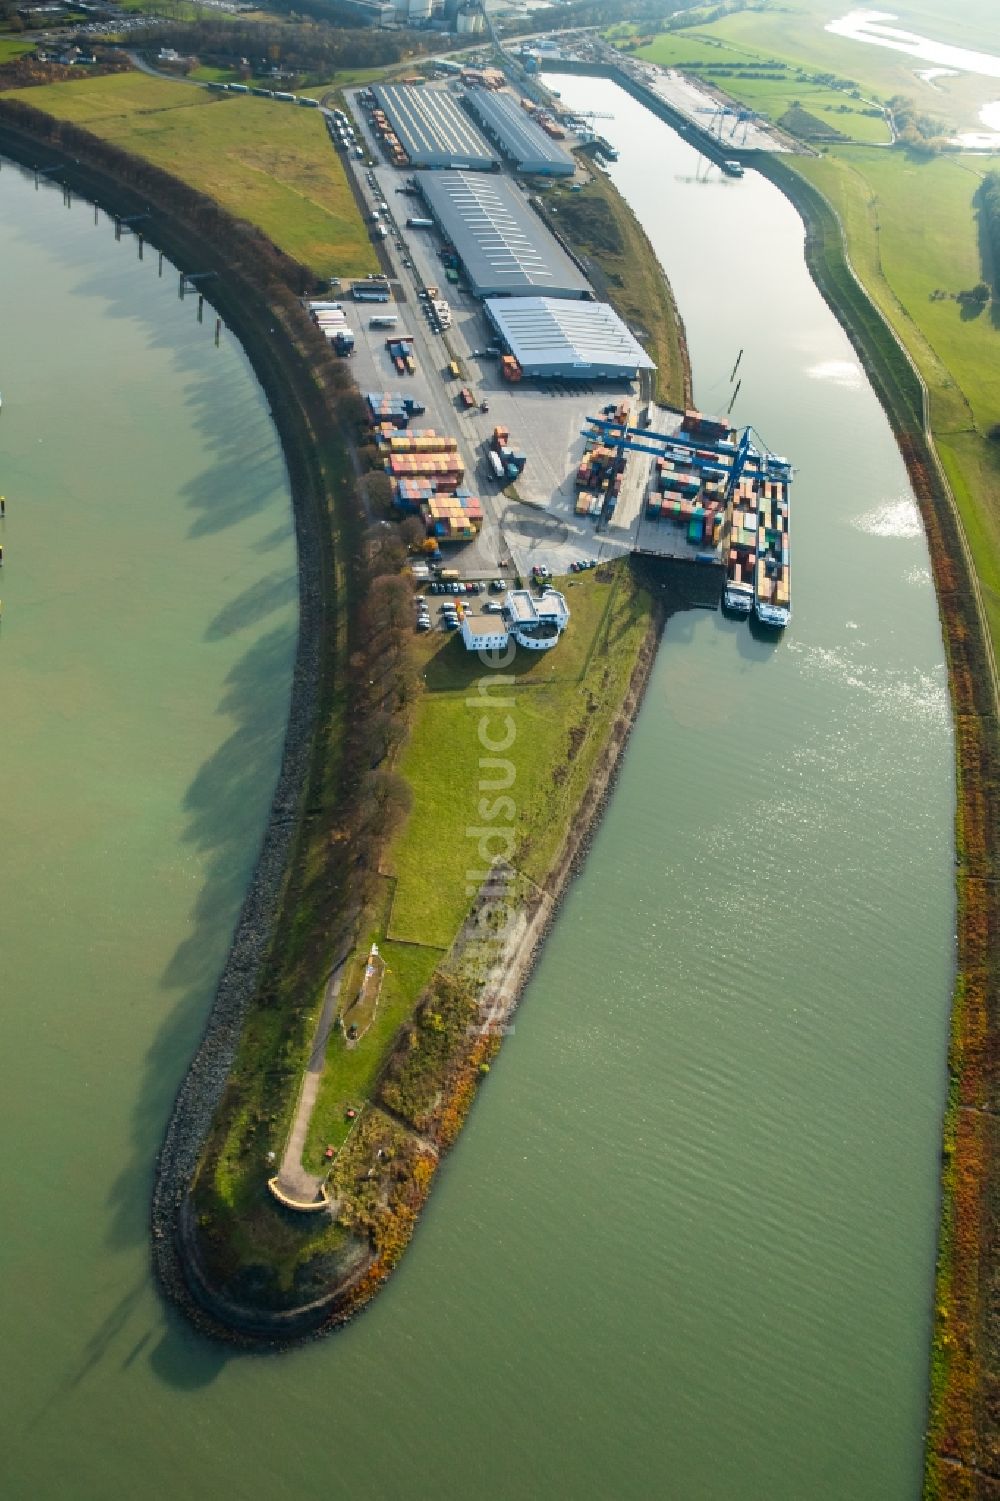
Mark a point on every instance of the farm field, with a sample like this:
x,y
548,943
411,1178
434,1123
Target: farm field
x,y
11,47
268,163
737,70
793,33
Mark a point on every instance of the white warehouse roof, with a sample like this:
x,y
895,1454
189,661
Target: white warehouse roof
x,y
517,135
501,242
550,336
432,129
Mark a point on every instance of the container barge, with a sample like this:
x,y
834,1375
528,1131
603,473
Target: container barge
x,y
772,599
758,576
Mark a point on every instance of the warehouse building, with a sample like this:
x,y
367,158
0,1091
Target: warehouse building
x,y
432,128
559,340
505,248
521,141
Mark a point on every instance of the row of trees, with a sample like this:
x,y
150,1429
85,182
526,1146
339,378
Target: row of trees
x,y
987,201
917,130
303,47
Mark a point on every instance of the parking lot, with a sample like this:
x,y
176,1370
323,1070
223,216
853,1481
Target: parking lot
x,y
440,605
533,523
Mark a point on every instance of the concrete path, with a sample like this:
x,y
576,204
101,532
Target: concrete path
x,y
292,1179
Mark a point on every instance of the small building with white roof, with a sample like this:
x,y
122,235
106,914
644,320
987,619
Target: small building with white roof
x,y
535,622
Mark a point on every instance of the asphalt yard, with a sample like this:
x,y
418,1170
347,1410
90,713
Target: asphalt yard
x,y
532,522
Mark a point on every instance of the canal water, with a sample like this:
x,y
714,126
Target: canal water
x,y
685,1245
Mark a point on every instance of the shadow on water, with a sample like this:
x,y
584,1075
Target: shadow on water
x,y
757,642
228,423
185,1361
274,539
261,598
226,803
225,807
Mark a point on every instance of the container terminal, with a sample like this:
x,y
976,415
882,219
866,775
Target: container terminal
x,y
509,408
715,496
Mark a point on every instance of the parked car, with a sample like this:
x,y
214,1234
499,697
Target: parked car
x,y
491,607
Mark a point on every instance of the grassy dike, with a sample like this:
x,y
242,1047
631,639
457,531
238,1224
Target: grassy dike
x,y
963,1439
621,262
459,947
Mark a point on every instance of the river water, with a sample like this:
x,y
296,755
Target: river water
x,y
869,26
685,1244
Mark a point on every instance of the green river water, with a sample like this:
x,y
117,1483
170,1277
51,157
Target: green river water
x,y
685,1245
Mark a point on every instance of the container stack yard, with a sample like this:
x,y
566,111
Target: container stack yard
x,y
386,407
426,470
688,484
728,500
505,365
419,440
453,518
599,481
445,469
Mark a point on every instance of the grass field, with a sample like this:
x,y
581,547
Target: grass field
x,y
561,704
725,65
11,47
208,74
268,163
350,1073
190,10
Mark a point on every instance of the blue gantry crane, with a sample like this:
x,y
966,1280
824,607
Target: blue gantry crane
x,y
721,462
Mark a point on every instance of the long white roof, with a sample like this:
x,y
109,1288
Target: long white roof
x,y
432,129
502,243
542,331
524,141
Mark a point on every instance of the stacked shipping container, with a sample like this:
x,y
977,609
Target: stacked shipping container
x,y
599,480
